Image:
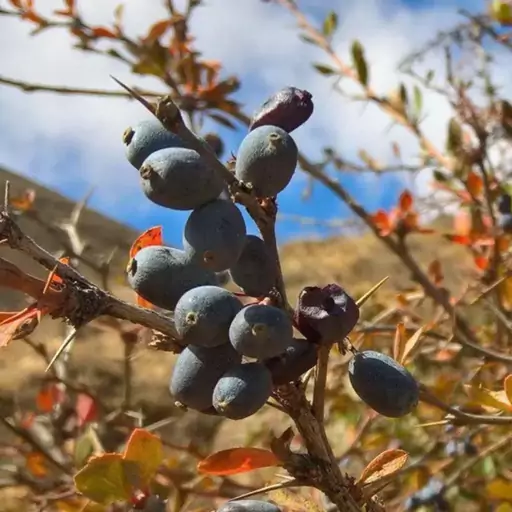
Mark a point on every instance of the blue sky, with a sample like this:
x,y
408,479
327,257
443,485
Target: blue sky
x,y
73,143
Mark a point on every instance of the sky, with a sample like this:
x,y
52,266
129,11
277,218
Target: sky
x,y
71,143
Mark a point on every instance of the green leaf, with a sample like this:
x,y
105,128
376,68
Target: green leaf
x,y
454,139
84,448
324,70
430,76
107,479
360,62
308,39
418,101
145,449
330,24
404,96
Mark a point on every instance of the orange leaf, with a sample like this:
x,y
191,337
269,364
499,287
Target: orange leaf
x,y
36,464
158,30
507,386
459,239
11,327
53,278
474,184
16,3
32,16
385,464
103,32
143,303
49,396
382,222
152,236
462,223
405,201
399,343
86,409
237,460
482,262
25,201
435,271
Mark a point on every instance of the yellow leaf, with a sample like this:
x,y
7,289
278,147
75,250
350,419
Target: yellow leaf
x,y
411,344
107,478
504,507
507,386
386,463
145,449
493,399
499,490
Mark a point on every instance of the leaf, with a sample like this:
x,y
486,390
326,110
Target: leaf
x,y
83,449
12,327
36,464
411,344
237,460
475,184
152,236
53,278
360,62
86,409
387,463
23,202
405,201
308,39
157,30
486,398
16,3
454,139
382,222
499,490
435,272
507,386
49,396
223,120
145,449
330,24
107,479
399,343
323,69
481,262
418,101
404,97
103,32
429,76
143,303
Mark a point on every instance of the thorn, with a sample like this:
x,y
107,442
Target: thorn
x,y
369,293
273,487
79,207
70,337
7,194
432,424
136,95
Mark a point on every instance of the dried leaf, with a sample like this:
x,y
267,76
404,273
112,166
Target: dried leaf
x,y
507,386
411,344
399,342
107,478
36,464
146,450
237,460
387,463
157,30
490,399
499,490
86,409
12,327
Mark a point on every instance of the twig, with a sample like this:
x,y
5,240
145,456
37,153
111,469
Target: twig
x,y
321,382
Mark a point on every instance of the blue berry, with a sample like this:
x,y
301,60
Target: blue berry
x,y
197,371
504,204
177,178
249,506
383,384
203,315
505,223
261,331
145,138
255,272
242,390
214,235
266,160
162,275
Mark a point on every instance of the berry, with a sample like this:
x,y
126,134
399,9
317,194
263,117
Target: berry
x,y
242,390
505,223
261,331
249,506
326,315
297,359
266,159
289,108
178,178
197,371
504,204
162,275
383,384
147,137
254,272
214,235
203,315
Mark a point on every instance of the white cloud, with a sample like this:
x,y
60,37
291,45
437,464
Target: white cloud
x,y
256,40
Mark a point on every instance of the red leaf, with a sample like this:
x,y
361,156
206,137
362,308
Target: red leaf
x,y
32,16
86,409
237,460
49,396
157,30
103,32
405,201
459,239
462,223
10,327
152,236
482,262
382,222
